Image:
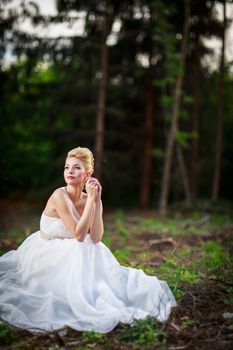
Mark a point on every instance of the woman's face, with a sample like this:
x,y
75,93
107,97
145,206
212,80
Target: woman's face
x,y
74,172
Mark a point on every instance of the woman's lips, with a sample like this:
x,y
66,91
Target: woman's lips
x,y
70,177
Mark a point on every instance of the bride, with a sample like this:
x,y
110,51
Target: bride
x,y
63,275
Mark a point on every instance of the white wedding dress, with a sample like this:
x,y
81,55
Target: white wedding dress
x,y
52,280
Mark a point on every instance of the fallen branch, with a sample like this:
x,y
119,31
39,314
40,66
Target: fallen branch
x,y
198,223
181,347
176,327
161,241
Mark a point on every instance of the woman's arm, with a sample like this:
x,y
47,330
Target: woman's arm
x,y
63,206
97,226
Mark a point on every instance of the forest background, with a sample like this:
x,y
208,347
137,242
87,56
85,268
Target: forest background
x,y
136,86
138,83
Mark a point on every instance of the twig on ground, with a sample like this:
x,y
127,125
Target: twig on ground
x,y
161,241
180,347
176,327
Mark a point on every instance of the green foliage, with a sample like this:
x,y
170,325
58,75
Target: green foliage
x,y
89,337
187,99
46,74
17,235
229,300
176,272
157,153
144,256
215,259
7,334
186,225
142,332
120,218
29,347
122,254
119,215
216,254
149,270
154,224
49,97
122,230
182,269
220,219
169,225
187,252
167,101
189,322
107,239
183,138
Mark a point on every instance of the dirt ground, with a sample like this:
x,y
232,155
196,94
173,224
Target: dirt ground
x,y
203,318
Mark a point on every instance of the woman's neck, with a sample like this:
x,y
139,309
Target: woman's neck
x,y
74,192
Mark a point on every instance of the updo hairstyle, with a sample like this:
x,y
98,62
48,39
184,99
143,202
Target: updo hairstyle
x,y
85,155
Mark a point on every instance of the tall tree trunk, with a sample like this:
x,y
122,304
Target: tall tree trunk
x,y
195,122
175,117
147,152
100,118
183,172
219,123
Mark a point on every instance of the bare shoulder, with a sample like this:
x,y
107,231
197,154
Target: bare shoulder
x,y
57,195
55,200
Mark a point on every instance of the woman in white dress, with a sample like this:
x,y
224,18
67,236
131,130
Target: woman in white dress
x,y
63,275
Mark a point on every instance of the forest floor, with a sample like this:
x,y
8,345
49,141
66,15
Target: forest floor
x,y
192,251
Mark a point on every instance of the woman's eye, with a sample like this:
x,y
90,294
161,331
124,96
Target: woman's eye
x,y
77,167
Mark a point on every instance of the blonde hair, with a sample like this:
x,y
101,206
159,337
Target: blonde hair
x,y
85,155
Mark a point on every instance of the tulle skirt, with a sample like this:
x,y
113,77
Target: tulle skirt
x,y
48,284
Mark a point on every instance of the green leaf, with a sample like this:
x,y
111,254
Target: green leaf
x,y
157,153
182,138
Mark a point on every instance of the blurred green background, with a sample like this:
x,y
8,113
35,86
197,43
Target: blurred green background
x,y
123,66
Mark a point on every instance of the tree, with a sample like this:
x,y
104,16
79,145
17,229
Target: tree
x,y
220,114
195,119
175,117
148,147
204,25
104,57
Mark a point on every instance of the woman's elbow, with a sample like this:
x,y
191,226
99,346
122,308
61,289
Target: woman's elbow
x,y
95,239
80,237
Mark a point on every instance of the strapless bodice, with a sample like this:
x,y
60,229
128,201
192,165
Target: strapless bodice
x,y
51,228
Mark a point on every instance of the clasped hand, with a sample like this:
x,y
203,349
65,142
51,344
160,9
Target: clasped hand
x,y
93,188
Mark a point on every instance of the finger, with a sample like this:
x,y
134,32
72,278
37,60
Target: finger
x,y
94,179
97,184
94,182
